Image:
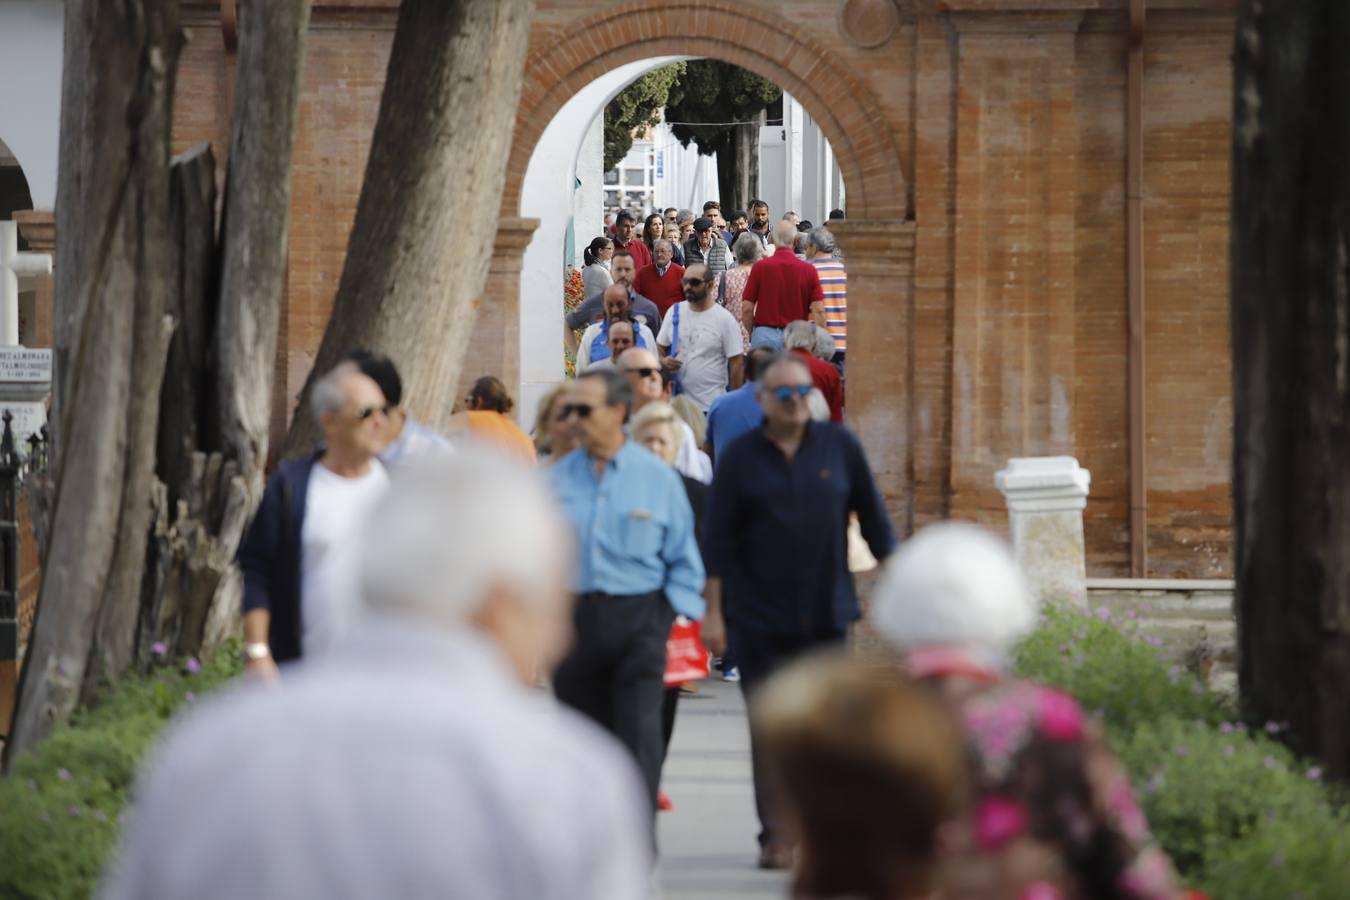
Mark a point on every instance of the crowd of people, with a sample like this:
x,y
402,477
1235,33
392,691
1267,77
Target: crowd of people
x,y
458,645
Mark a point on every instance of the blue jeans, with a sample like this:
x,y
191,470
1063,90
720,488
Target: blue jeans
x,y
764,336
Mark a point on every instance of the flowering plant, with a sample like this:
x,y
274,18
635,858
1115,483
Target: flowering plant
x,y
574,292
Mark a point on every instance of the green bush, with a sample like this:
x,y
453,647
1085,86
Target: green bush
x,y
62,805
1240,815
1113,672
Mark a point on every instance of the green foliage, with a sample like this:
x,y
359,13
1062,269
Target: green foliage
x,y
717,92
636,108
1240,815
61,806
1112,672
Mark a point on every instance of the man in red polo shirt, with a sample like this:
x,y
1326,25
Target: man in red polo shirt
x,y
781,289
660,282
800,339
625,238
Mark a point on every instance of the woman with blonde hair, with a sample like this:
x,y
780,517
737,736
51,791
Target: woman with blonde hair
x,y
552,438
657,428
692,416
871,776
1054,815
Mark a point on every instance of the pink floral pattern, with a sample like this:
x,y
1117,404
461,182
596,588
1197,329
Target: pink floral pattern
x,y
735,281
1054,815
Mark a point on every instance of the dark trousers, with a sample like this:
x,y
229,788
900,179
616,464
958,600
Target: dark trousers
x,y
760,654
669,704
615,674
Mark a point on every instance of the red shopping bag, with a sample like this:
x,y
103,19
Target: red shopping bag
x,y
686,657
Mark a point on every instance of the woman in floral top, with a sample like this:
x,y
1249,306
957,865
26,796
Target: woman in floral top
x,y
1054,816
731,285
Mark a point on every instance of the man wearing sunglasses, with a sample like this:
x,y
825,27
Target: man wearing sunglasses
x,y
643,371
297,554
638,565
776,547
701,342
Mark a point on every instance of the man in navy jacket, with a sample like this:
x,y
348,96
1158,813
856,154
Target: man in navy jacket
x,y
297,552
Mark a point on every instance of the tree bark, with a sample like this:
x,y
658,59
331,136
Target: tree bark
x,y
137,259
426,221
1291,369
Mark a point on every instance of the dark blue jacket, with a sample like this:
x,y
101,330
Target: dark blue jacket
x,y
269,556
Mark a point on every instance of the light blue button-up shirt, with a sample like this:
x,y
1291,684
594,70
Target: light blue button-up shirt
x,y
634,527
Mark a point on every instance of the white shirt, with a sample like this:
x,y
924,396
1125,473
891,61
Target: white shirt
x,y
707,341
414,442
691,461
335,510
409,764
593,331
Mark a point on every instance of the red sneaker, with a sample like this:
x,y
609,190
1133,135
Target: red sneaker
x,y
663,802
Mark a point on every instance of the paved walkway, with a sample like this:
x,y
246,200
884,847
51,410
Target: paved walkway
x,y
708,848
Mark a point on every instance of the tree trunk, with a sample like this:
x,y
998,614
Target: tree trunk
x,y
1291,369
111,284
131,229
426,221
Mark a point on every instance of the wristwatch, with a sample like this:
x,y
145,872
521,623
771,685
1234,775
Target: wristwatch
x,y
257,650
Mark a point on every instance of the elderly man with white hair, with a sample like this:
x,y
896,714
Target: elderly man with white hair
x,y
1054,811
416,760
296,555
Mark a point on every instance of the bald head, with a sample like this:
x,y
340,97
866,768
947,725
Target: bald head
x,y
616,302
784,234
643,371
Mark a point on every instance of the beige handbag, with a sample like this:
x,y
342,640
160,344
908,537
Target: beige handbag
x,y
860,558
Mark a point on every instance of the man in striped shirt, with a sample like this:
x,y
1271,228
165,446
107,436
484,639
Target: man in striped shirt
x,y
834,283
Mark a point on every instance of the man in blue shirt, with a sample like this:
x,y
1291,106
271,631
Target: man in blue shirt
x,y
777,538
736,412
638,565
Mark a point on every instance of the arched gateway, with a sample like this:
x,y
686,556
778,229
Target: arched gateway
x,y
878,237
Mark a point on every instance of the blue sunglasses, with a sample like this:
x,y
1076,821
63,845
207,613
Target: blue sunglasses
x,y
784,393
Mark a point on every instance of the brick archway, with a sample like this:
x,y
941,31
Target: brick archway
x,y
763,42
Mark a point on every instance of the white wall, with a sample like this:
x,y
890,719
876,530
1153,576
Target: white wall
x,y
548,196
30,90
687,179
588,203
797,168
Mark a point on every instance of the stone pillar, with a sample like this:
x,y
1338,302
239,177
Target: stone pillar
x,y
879,259
38,227
1046,496
494,348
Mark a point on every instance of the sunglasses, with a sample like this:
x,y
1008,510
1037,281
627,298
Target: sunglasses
x,y
366,412
786,392
691,282
641,373
580,410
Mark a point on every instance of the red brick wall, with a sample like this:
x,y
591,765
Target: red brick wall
x,y
999,135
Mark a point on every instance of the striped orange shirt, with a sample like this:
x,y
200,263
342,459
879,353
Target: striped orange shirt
x,y
834,284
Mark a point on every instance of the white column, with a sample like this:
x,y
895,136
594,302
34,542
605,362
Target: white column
x,y
12,265
1046,497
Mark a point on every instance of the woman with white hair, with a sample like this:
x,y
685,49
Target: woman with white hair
x,y
1054,814
747,251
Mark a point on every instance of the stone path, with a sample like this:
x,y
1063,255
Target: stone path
x,y
708,849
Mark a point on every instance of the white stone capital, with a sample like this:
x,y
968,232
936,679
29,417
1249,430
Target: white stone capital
x,y
12,265
1044,484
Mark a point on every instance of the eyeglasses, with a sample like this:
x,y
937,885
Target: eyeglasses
x,y
641,373
580,410
786,392
366,412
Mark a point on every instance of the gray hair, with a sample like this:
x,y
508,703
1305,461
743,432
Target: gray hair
x,y
748,249
822,239
800,335
450,529
825,346
800,243
659,241
683,217
784,234
327,395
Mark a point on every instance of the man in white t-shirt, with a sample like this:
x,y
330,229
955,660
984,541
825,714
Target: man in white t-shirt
x,y
297,557
701,343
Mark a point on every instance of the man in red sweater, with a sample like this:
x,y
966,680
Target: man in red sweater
x,y
660,282
781,289
625,238
800,338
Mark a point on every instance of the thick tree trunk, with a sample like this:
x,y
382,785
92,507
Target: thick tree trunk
x,y
112,281
1291,369
137,259
426,221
